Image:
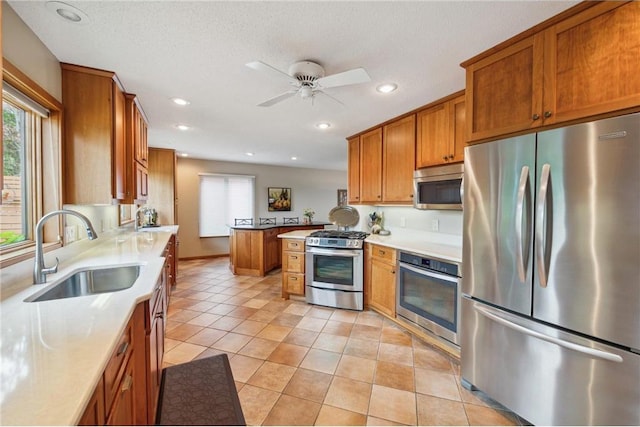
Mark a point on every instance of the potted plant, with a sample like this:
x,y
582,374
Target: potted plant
x,y
308,215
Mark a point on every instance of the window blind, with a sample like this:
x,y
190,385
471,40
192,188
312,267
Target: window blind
x,y
222,199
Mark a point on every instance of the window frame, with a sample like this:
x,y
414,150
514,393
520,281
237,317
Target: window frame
x,y
45,162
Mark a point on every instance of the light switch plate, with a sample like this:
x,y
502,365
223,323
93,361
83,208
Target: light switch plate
x,y
435,225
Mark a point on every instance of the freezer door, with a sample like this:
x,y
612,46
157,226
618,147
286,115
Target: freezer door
x,y
587,237
498,222
545,375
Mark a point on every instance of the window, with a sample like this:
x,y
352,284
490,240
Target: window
x,y
20,130
222,199
30,168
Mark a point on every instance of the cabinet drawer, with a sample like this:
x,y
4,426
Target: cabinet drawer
x,y
294,245
293,262
294,283
115,367
383,253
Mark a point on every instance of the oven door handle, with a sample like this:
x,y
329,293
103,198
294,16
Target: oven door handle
x,y
339,252
423,272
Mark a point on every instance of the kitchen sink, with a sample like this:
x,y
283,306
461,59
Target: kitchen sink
x,y
90,282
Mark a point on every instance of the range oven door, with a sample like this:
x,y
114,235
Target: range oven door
x,y
337,269
430,300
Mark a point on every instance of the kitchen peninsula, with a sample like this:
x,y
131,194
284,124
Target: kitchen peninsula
x,y
254,250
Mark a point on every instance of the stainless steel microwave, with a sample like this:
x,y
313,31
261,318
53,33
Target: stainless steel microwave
x,y
438,187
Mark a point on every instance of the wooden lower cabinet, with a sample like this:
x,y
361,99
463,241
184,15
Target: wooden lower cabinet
x,y
128,391
293,267
255,252
380,279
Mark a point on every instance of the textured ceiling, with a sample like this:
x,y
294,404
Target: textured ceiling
x,y
197,51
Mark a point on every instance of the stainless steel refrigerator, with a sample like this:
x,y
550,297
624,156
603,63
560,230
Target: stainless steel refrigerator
x,y
551,273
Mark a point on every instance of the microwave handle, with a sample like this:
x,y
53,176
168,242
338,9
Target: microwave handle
x,y
462,190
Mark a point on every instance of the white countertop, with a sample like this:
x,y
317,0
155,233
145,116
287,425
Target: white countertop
x,y
443,246
54,352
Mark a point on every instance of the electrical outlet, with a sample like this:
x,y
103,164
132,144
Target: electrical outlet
x,y
70,233
102,226
435,225
403,222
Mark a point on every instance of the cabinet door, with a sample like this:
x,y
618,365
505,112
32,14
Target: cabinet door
x,y
353,191
371,166
155,357
141,147
124,407
504,90
94,412
399,156
142,183
383,287
458,132
119,144
162,181
433,136
294,283
272,251
247,252
591,62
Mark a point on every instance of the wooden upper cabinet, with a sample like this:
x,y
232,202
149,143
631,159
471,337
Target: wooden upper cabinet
x,y
136,190
592,62
577,66
504,90
371,166
353,192
399,153
94,136
162,184
441,133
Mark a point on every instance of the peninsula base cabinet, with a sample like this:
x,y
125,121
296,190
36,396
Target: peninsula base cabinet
x,y
127,393
380,279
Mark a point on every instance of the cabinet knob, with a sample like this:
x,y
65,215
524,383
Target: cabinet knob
x,y
450,156
444,158
535,116
547,114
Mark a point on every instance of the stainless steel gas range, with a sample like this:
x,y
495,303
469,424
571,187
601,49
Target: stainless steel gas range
x,y
334,269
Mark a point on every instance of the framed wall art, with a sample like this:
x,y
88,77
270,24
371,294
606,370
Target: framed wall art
x,y
279,199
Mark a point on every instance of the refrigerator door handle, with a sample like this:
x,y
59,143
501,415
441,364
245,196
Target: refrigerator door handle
x,y
462,190
562,343
522,190
541,226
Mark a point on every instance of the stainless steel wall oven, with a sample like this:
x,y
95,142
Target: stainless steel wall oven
x,y
428,294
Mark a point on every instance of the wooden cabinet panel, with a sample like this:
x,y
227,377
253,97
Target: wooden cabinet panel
x,y
115,367
504,90
433,136
380,279
272,251
353,184
94,136
577,66
294,283
136,171
247,252
399,154
124,407
293,267
458,126
592,62
162,184
371,166
94,413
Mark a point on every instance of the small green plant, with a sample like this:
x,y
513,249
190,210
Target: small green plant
x,y
9,237
309,213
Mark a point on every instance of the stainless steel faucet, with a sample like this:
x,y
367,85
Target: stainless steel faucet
x,y
40,271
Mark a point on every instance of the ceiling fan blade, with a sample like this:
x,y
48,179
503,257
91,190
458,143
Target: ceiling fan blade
x,y
328,96
350,77
276,99
261,66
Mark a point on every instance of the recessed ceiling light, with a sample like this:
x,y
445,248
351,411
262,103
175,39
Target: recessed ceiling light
x,y
183,127
67,12
184,155
294,158
180,101
248,153
387,87
323,125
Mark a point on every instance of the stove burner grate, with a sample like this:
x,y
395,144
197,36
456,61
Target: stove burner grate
x,y
336,234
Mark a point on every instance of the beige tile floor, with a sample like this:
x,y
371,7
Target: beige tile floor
x,y
297,364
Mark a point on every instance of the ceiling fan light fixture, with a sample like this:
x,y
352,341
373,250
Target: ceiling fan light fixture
x,y
387,87
67,12
306,92
180,101
323,125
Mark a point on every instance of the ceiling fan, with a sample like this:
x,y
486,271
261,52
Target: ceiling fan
x,y
308,80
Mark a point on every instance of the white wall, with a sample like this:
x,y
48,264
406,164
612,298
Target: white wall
x,y
24,49
310,188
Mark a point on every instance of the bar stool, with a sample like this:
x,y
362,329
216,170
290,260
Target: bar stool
x,y
264,221
291,220
244,221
